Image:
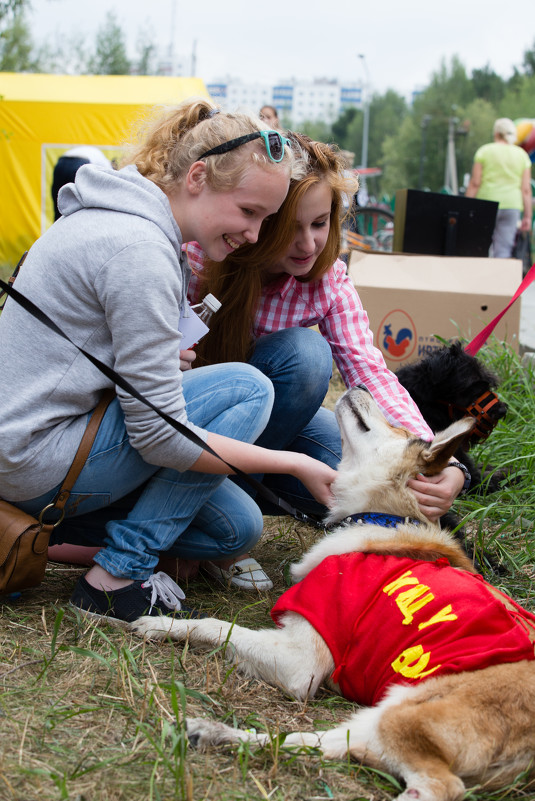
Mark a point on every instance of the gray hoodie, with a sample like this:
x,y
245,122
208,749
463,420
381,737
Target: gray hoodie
x,y
111,274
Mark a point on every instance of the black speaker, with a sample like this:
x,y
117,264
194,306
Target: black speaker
x,y
442,225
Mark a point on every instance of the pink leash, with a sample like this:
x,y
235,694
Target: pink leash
x,y
479,340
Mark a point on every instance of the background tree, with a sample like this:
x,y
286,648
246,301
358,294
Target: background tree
x,y
488,85
519,100
478,120
340,127
17,49
146,51
387,113
65,56
9,8
448,94
318,130
110,57
400,157
528,61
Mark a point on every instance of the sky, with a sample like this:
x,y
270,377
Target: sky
x,y
384,44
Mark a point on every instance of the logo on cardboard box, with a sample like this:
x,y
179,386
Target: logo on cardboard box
x,y
396,335
430,344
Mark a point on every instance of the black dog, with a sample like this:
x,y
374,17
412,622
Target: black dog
x,y
447,385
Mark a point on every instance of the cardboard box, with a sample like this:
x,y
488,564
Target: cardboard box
x,y
412,299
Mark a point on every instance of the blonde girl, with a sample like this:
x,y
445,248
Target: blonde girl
x,y
112,274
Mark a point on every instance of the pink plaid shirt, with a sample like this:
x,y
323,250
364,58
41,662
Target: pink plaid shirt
x,y
332,303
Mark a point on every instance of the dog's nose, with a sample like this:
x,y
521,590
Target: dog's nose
x,y
500,410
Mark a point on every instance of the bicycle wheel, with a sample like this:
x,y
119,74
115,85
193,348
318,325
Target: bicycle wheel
x,y
376,225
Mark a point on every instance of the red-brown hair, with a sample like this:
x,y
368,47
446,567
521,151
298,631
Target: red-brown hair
x,y
237,281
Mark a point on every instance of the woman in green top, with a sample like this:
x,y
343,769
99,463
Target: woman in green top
x,y
502,172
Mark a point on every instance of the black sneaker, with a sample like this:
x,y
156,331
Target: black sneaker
x,y
158,595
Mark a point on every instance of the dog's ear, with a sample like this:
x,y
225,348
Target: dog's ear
x,y
435,456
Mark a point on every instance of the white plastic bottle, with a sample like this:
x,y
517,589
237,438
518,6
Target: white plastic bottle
x,y
197,324
208,306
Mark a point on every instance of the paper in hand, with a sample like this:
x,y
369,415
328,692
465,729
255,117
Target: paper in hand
x,y
192,329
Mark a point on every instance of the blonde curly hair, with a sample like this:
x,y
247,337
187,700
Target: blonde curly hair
x,y
171,141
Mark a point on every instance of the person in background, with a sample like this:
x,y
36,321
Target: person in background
x,y
68,165
272,293
111,273
270,116
502,172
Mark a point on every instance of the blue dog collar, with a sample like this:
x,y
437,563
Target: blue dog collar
x,y
384,520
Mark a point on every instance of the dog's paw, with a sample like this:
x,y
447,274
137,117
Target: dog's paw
x,y
202,732
424,787
154,628
297,572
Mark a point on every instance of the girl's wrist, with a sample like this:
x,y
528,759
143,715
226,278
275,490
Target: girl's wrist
x,y
466,473
293,464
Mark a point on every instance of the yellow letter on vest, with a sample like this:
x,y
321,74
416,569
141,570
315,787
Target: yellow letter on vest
x,y
412,663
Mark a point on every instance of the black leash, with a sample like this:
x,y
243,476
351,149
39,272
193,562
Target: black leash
x,y
117,379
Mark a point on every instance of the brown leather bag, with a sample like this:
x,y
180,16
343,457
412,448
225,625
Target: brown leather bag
x,y
24,539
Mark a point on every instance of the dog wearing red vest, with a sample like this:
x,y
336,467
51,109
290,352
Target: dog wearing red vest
x,y
388,611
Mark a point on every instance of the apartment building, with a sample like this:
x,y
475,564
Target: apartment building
x,y
296,101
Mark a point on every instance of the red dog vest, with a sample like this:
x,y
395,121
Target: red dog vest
x,y
389,620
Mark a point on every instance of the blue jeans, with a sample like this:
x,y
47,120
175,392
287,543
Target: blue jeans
x,y
136,510
504,234
298,361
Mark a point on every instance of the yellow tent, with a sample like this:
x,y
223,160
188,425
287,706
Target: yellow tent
x,y
42,116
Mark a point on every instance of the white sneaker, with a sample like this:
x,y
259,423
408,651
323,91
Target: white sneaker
x,y
246,574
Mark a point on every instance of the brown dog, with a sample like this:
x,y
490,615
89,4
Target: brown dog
x,y
388,612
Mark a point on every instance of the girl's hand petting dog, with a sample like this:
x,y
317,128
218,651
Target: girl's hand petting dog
x,y
435,494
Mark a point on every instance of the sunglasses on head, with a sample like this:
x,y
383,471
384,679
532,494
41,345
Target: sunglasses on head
x,y
273,141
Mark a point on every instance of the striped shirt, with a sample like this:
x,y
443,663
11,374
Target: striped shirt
x,y
333,305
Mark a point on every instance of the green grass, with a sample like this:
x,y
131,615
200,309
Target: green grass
x,y
502,523
91,713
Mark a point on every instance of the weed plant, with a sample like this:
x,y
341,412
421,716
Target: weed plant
x,y
501,524
91,713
